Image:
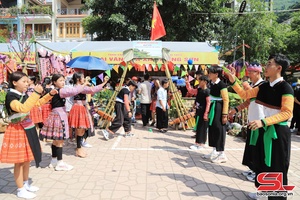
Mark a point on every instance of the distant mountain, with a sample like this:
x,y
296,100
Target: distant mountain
x,y
283,4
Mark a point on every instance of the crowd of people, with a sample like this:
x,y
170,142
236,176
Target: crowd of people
x,y
41,112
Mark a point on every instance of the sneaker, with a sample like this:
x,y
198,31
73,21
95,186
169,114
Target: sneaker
x,y
23,193
85,144
62,166
247,173
52,164
105,134
129,135
211,156
196,147
253,195
31,188
292,130
219,159
251,177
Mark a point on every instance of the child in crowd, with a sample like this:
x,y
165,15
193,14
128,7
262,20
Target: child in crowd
x,y
20,142
79,117
162,107
46,108
217,116
202,105
36,112
123,113
56,125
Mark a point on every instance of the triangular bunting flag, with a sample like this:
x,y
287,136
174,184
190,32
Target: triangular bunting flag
x,y
196,67
190,78
107,72
129,67
101,76
171,66
190,67
122,67
183,73
123,63
142,68
116,68
159,66
94,81
203,67
146,66
163,68
149,68
196,82
185,67
174,72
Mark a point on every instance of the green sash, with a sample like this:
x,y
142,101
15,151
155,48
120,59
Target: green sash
x,y
269,134
211,114
197,120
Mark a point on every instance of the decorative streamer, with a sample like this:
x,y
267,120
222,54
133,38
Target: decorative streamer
x,y
116,68
190,78
183,73
101,76
94,81
107,72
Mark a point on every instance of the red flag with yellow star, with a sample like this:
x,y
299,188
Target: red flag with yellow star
x,y
157,26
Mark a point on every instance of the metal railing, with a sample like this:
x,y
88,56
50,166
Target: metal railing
x,y
43,35
71,11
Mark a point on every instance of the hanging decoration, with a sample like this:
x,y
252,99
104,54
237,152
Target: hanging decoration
x,y
107,72
100,76
190,78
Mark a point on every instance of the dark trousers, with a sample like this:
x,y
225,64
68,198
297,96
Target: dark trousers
x,y
161,118
281,151
146,113
121,119
217,131
248,156
201,131
296,117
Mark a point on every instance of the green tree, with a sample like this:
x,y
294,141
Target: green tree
x,y
131,20
292,39
260,31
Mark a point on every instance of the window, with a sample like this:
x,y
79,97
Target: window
x,y
42,28
61,29
73,30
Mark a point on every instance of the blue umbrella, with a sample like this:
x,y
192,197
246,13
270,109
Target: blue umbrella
x,y
88,63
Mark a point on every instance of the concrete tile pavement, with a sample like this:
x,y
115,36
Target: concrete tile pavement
x,y
150,165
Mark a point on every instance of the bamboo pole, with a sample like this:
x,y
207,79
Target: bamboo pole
x,y
111,104
177,102
37,61
184,109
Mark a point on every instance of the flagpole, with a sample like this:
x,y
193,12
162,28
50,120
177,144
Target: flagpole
x,y
244,56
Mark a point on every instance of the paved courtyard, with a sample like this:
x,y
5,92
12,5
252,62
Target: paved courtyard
x,y
151,165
